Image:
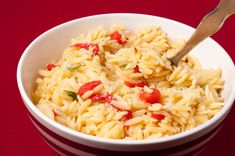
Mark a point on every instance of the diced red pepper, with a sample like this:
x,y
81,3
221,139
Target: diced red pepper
x,y
128,115
87,46
118,37
126,127
54,112
95,49
109,98
111,51
88,86
81,45
139,84
136,69
152,98
102,98
159,117
51,66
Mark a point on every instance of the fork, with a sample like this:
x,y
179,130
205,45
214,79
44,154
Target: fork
x,y
208,26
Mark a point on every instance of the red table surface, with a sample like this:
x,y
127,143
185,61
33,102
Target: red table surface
x,y
22,21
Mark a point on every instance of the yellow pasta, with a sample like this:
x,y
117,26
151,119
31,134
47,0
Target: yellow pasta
x,y
125,65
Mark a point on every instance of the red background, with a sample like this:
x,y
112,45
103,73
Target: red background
x,y
22,21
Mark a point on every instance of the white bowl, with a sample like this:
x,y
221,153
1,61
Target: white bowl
x,y
50,45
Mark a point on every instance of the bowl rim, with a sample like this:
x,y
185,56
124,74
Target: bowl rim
x,y
84,136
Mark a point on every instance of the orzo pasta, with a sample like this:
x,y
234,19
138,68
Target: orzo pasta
x,y
119,84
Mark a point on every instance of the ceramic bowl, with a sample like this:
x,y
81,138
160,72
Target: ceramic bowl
x,y
50,45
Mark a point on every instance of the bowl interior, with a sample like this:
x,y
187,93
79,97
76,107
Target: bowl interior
x,y
50,45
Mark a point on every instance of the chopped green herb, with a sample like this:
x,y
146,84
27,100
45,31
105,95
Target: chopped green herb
x,y
73,67
73,95
123,66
